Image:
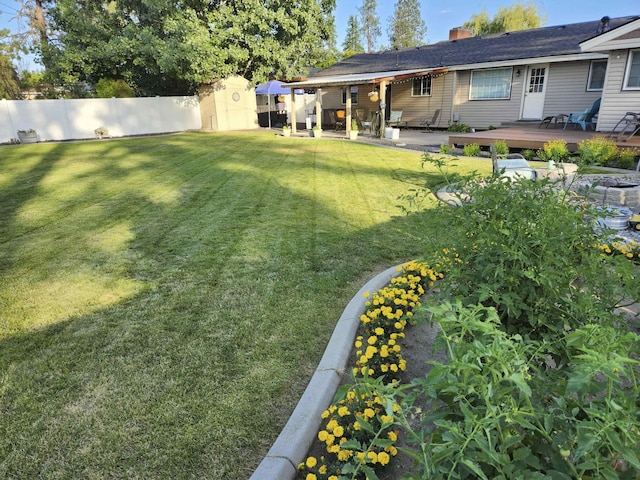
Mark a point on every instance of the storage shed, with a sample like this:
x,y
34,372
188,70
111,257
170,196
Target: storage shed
x,y
228,104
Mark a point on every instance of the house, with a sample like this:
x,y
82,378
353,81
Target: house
x,y
621,88
478,81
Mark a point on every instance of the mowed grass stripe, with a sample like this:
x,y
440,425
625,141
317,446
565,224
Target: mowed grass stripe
x,y
164,301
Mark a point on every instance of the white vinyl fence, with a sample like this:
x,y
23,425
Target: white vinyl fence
x,y
78,118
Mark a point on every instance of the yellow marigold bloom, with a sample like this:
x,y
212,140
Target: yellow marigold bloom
x,y
396,408
366,294
311,462
379,331
403,365
342,440
371,351
338,431
393,367
360,456
386,419
344,455
398,326
372,339
356,426
383,458
355,370
311,476
333,448
393,436
343,411
332,477
384,368
384,351
332,424
372,457
397,348
391,342
392,450
364,359
368,413
351,395
325,414
322,435
322,470
358,344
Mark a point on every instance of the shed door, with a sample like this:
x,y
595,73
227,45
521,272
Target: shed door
x,y
535,89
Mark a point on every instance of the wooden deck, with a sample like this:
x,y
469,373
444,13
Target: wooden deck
x,y
524,137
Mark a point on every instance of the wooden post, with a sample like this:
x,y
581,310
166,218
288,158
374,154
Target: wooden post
x,y
348,108
383,101
293,110
318,108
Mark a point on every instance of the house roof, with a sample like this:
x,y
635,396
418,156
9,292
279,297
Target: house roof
x,y
622,37
556,41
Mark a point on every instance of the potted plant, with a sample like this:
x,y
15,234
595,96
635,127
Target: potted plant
x,y
286,131
28,136
101,132
353,133
316,132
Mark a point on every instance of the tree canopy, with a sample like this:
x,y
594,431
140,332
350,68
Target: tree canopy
x,y
406,27
370,24
161,47
508,19
352,43
9,81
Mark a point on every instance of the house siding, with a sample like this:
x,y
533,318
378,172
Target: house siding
x,y
567,88
482,114
415,110
616,101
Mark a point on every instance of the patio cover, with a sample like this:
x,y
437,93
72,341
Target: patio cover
x,y
363,78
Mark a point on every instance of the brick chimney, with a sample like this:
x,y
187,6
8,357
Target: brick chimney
x,y
459,32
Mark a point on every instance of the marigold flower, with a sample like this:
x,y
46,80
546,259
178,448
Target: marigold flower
x,y
325,414
368,413
372,456
332,424
386,419
322,435
344,455
311,462
393,436
322,470
311,476
383,458
356,426
360,456
333,449
379,331
372,339
338,431
343,411
370,352
332,477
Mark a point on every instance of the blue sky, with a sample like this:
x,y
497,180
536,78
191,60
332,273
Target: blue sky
x,y
441,16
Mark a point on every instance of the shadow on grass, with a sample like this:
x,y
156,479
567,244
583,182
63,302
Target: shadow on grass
x,y
205,274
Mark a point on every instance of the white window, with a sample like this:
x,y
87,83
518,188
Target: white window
x,y
632,76
492,84
421,87
597,72
354,95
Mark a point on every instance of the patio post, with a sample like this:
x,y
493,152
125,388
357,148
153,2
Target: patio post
x,y
318,108
348,108
293,110
383,103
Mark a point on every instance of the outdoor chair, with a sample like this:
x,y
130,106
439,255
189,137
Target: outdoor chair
x,y
341,119
395,118
583,118
428,123
630,124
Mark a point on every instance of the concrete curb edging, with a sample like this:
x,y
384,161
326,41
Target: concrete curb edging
x,y
293,443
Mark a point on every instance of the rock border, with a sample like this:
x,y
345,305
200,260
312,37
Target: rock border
x,y
295,439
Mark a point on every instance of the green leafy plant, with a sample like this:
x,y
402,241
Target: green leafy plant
x,y
597,150
459,127
554,150
626,158
445,149
354,125
501,147
529,154
493,411
471,150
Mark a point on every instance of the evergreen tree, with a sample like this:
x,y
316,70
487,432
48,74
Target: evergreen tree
x,y
508,19
370,24
352,43
406,27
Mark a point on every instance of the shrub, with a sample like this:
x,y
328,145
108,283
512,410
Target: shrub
x,y
554,150
459,127
597,151
626,158
471,150
445,149
529,154
501,147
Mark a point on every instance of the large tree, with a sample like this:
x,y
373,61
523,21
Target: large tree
x,y
162,47
370,23
508,19
352,43
9,80
406,27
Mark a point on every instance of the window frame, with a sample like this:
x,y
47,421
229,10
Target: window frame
x,y
421,80
590,88
508,75
354,95
630,57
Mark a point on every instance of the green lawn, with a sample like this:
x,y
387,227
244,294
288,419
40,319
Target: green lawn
x,y
164,300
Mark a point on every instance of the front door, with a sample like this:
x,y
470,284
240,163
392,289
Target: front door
x,y
535,88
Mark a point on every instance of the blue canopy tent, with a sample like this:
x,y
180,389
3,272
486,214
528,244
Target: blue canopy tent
x,y
274,87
